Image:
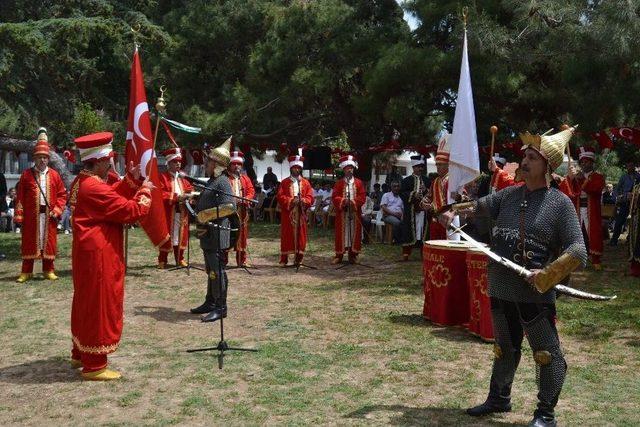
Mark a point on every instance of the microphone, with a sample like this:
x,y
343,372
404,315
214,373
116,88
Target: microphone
x,y
194,181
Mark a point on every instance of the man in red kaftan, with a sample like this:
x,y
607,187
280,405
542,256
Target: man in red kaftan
x,y
40,200
584,188
241,186
295,197
176,191
99,211
347,197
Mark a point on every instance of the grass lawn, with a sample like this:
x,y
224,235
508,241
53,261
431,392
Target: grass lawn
x,y
341,347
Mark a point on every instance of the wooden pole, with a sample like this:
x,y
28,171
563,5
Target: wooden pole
x,y
494,130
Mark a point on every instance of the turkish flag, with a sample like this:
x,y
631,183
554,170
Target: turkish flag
x,y
630,134
603,139
139,150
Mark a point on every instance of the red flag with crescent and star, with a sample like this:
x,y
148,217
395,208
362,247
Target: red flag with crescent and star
x,y
139,150
630,134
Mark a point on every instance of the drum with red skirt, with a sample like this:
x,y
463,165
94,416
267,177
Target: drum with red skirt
x,y
479,302
446,293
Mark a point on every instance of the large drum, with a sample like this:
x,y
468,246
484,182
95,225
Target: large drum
x,y
479,303
446,293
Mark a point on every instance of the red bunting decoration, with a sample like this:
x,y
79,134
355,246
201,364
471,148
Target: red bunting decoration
x,y
630,134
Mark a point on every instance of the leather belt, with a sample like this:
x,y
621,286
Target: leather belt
x,y
43,209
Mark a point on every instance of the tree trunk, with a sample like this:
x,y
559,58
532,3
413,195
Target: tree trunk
x,y
8,143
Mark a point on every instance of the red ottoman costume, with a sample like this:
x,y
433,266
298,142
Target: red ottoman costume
x,y
348,231
38,213
293,224
586,194
99,212
173,186
241,186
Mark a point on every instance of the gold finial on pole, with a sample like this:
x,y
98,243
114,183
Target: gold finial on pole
x,y
161,107
465,14
135,30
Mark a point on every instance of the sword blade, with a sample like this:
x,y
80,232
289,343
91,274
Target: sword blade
x,y
566,290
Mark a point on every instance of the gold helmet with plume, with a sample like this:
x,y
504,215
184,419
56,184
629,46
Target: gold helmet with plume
x,y
222,153
550,147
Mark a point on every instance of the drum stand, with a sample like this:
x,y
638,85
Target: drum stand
x,y
188,267
222,344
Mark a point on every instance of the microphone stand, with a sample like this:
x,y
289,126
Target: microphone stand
x,y
350,219
222,344
297,234
188,266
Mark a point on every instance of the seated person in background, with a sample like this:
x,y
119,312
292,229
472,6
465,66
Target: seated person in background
x,y
326,192
392,209
609,195
366,216
269,180
376,196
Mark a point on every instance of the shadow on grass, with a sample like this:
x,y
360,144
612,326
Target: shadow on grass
x,y
449,333
410,416
44,371
164,314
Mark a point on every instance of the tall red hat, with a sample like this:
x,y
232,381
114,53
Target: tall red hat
x,y
296,161
42,144
444,148
586,153
173,153
348,160
42,147
237,157
96,146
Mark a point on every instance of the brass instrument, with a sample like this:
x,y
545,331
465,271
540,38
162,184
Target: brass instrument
x,y
218,212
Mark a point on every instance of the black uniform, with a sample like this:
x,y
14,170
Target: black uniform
x,y
214,239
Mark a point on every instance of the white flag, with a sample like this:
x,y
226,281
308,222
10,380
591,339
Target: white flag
x,y
464,161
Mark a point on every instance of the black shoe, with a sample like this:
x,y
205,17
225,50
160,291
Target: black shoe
x,y
206,307
216,314
487,408
543,421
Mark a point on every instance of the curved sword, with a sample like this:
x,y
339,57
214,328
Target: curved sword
x,y
566,290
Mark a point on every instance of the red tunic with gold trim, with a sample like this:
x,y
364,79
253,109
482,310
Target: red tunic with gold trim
x,y
97,257
28,203
178,227
586,195
501,180
345,237
439,188
291,216
242,186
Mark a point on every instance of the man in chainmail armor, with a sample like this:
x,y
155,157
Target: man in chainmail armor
x,y
214,232
537,227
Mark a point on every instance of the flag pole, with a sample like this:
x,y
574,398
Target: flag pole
x,y
135,32
494,131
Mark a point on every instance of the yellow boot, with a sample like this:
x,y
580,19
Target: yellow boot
x,y
101,375
162,265
76,363
50,275
24,277
183,263
597,267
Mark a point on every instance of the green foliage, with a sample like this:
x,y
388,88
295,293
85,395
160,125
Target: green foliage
x,y
299,71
